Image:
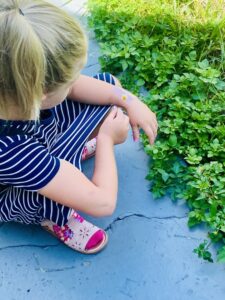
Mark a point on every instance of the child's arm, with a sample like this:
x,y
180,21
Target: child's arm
x,y
93,91
98,196
70,187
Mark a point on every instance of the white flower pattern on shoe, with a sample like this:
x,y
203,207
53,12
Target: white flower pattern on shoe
x,y
84,232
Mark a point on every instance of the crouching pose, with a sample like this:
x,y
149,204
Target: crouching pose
x,y
52,118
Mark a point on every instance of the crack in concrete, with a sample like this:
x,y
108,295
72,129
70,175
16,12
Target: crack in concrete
x,y
187,237
55,270
118,219
29,245
182,279
109,227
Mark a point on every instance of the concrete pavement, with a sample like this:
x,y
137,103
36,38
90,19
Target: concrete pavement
x,y
149,255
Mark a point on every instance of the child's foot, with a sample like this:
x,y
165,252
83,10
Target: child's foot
x,y
78,234
89,149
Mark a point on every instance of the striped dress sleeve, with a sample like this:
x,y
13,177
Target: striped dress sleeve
x,y
26,163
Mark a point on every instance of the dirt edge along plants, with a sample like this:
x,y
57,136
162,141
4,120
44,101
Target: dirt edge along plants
x,y
175,49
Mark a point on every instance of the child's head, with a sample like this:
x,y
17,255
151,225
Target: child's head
x,y
41,49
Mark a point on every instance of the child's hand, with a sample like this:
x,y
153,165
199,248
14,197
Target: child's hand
x,y
115,126
141,116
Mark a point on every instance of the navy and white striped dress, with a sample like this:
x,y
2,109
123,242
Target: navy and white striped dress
x,y
30,154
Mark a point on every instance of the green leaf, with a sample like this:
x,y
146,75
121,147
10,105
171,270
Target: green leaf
x,y
220,85
173,140
202,251
124,64
176,167
203,64
140,82
165,176
221,255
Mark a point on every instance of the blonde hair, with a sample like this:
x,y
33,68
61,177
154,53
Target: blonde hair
x,y
41,48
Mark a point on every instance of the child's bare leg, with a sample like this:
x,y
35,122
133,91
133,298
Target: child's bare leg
x,y
96,130
90,146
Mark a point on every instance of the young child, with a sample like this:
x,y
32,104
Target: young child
x,y
51,118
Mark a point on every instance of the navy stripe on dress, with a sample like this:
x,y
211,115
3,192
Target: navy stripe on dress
x,y
30,157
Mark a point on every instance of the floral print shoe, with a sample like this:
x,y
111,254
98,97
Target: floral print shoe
x,y
78,234
89,149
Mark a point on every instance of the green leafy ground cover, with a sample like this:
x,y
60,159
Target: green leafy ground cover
x,y
175,49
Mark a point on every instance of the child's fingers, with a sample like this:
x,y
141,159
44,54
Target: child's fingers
x,y
120,114
149,132
117,114
113,113
136,133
